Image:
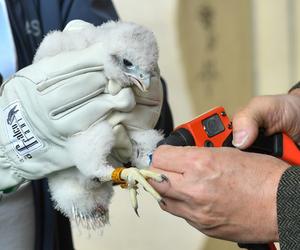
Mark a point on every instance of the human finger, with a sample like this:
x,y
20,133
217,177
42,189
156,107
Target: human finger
x,y
262,111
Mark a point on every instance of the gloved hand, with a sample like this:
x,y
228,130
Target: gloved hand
x,y
47,102
64,93
129,127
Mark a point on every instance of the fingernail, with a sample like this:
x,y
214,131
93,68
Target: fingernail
x,y
163,202
164,178
136,212
239,138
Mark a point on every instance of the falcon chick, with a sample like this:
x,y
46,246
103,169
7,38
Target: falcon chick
x,y
129,54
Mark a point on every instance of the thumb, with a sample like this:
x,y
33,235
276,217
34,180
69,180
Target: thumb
x,y
245,129
258,113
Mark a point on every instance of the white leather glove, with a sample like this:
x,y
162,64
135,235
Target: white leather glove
x,y
44,104
62,94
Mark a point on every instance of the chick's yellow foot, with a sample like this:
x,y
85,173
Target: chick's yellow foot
x,y
131,177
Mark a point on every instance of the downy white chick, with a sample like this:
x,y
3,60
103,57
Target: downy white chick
x,y
129,58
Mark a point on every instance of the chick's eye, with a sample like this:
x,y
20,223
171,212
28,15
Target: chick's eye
x,y
127,63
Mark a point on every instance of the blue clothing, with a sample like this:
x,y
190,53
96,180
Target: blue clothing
x,y
7,48
32,19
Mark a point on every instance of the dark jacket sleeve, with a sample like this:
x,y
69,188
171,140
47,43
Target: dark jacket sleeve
x,y
93,11
165,122
288,208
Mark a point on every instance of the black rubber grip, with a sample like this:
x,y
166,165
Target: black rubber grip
x,y
179,137
254,246
270,145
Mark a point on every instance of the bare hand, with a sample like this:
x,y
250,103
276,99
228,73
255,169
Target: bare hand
x,y
223,192
278,113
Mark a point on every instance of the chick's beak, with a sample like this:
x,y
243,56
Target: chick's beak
x,y
139,78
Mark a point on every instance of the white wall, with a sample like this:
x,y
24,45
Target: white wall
x,y
274,43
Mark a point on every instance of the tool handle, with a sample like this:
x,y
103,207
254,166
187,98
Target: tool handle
x,y
269,246
278,145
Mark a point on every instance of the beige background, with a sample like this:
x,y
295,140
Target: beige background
x,y
212,52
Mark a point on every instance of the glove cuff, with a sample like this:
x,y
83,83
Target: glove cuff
x,y
9,179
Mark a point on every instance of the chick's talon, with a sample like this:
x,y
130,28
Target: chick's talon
x,y
133,198
165,178
133,176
